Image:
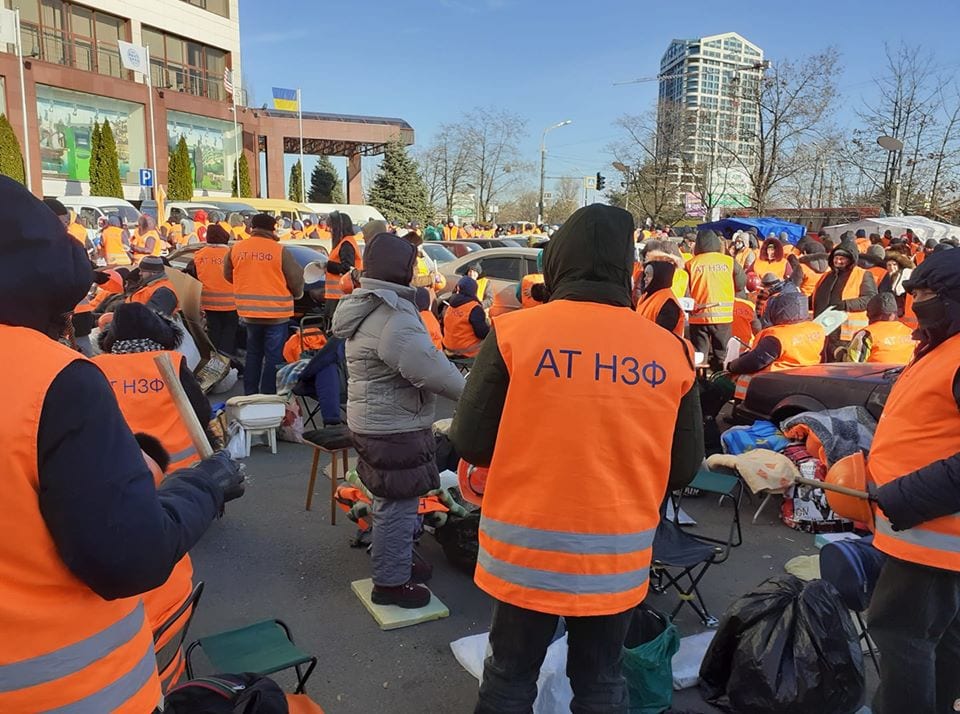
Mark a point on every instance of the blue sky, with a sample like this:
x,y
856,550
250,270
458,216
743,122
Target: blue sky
x,y
431,61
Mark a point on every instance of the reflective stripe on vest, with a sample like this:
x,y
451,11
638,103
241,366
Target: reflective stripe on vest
x,y
113,250
331,287
711,287
856,321
547,542
651,306
217,293
259,285
801,344
146,402
64,647
458,333
743,383
920,410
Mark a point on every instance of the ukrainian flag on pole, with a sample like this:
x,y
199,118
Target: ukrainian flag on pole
x,y
285,99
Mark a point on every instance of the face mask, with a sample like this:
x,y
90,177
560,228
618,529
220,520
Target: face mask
x,y
931,314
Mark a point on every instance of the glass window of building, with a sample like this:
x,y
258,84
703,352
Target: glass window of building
x,y
213,148
219,7
71,35
184,65
66,120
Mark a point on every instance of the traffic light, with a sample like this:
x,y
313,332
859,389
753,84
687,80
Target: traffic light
x,y
601,181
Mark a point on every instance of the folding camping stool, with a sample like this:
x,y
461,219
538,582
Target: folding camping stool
x,y
262,648
168,639
336,442
681,559
463,364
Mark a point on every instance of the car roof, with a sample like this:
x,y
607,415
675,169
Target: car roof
x,y
510,252
97,201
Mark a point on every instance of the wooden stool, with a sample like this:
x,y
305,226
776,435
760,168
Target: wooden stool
x,y
335,441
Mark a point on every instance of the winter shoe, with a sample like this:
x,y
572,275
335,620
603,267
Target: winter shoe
x,y
407,596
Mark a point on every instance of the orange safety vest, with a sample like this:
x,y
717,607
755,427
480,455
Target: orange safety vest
x,y
856,321
451,232
331,287
526,289
547,542
147,407
919,425
217,294
239,233
863,244
878,274
681,283
312,339
78,232
259,285
458,334
64,646
711,283
810,279
433,328
893,343
742,257
146,402
144,294
801,344
651,306
113,250
140,241
744,313
778,267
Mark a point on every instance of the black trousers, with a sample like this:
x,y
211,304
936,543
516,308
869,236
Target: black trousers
x,y
519,639
712,341
222,330
914,618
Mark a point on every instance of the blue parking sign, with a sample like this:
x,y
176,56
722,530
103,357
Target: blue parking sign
x,y
146,178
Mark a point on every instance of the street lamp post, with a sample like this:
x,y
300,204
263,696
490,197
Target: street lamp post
x,y
541,209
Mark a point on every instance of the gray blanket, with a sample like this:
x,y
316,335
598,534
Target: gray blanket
x,y
842,431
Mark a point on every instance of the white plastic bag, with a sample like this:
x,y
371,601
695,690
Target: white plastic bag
x,y
235,441
553,687
687,660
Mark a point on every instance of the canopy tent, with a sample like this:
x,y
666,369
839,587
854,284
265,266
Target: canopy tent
x,y
764,226
922,227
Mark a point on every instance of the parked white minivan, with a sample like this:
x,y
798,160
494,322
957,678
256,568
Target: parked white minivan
x,y
90,209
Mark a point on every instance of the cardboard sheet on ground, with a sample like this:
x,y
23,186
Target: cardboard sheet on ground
x,y
391,617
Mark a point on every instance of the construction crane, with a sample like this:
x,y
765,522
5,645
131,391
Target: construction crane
x,y
756,65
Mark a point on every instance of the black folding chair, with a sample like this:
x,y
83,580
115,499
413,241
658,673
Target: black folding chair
x,y
681,559
170,660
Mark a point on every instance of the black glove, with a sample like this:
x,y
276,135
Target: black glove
x,y
226,473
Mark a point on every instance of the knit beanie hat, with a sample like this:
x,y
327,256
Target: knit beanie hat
x,y
264,222
134,321
881,305
217,234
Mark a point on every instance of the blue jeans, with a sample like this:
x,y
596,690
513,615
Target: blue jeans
x,y
264,353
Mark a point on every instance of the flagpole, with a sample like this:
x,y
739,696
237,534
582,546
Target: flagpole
x,y
153,131
23,102
236,136
303,172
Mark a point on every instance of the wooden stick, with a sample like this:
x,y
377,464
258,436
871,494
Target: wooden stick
x,y
833,487
197,435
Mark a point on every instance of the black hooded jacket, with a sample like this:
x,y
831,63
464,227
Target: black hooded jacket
x,y
934,490
590,259
670,314
829,292
113,528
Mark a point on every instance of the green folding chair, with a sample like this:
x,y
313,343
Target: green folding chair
x,y
728,488
262,648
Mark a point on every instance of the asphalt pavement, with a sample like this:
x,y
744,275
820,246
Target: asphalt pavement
x,y
269,558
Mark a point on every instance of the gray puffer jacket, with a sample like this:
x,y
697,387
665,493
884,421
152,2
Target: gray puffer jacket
x,y
394,370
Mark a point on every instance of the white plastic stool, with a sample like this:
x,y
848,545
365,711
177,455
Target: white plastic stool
x,y
250,433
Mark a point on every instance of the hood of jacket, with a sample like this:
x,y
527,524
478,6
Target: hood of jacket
x,y
357,307
44,272
787,308
707,242
660,256
591,257
848,248
662,276
900,259
778,247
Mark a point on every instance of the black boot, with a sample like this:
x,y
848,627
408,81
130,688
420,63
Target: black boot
x,y
407,596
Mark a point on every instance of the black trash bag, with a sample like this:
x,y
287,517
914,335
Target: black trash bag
x,y
460,539
788,647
